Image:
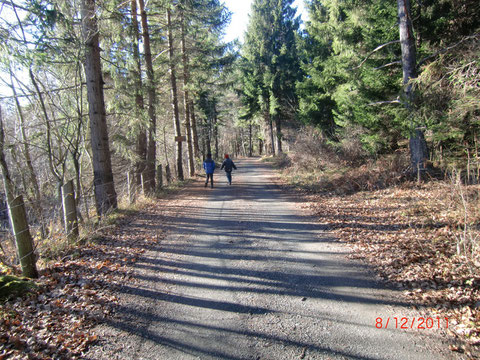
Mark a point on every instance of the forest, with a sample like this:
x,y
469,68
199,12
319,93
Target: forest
x,y
104,101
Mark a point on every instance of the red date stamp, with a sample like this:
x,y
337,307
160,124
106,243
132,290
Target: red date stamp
x,y
421,323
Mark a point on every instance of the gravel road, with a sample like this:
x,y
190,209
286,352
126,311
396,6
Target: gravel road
x,y
245,273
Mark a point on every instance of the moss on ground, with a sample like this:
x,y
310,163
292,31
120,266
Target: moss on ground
x,y
12,286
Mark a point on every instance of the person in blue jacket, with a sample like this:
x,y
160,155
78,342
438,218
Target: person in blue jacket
x,y
209,166
228,165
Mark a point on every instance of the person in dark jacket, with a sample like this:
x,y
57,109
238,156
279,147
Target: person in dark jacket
x,y
209,166
228,165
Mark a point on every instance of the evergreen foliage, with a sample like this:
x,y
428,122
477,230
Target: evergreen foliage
x,y
341,68
270,66
352,64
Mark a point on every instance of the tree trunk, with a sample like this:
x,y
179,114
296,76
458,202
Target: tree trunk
x,y
152,128
173,82
196,147
23,239
78,191
17,215
191,160
53,167
250,144
105,195
269,130
407,42
215,130
131,186
9,187
165,147
208,135
269,126
28,160
418,145
26,150
70,211
159,177
204,143
141,146
272,137
278,126
186,99
168,174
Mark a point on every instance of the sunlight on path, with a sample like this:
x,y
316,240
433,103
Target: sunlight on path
x,y
244,274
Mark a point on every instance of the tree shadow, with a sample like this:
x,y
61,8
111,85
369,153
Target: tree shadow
x,y
237,241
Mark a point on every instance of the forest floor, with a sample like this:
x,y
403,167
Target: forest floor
x,y
74,293
245,272
405,233
423,239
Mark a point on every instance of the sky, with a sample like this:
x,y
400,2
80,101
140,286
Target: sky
x,y
241,9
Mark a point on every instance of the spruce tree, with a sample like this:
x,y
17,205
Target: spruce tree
x,y
272,66
346,45
105,195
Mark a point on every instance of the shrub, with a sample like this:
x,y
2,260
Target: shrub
x,y
312,151
342,167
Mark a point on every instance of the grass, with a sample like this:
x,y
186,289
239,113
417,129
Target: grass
x,y
173,188
341,177
280,161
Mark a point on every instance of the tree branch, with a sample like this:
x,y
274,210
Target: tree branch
x,y
444,50
398,62
159,54
374,51
35,94
14,5
396,101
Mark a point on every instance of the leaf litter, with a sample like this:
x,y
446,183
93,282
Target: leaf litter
x,y
423,239
73,295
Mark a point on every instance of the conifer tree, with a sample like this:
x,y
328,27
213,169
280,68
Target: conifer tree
x,y
105,195
272,68
152,94
174,95
205,60
351,62
358,70
141,141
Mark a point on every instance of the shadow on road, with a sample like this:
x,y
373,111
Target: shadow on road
x,y
243,240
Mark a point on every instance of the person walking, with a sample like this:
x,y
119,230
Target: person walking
x,y
228,165
209,166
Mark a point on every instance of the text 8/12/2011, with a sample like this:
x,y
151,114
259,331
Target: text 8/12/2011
x,y
421,323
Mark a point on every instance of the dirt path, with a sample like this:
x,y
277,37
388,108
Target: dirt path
x,y
244,273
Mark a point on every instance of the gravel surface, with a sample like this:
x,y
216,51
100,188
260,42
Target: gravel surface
x,y
245,273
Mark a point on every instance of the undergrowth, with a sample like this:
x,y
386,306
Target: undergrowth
x,y
56,246
317,165
77,286
423,238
